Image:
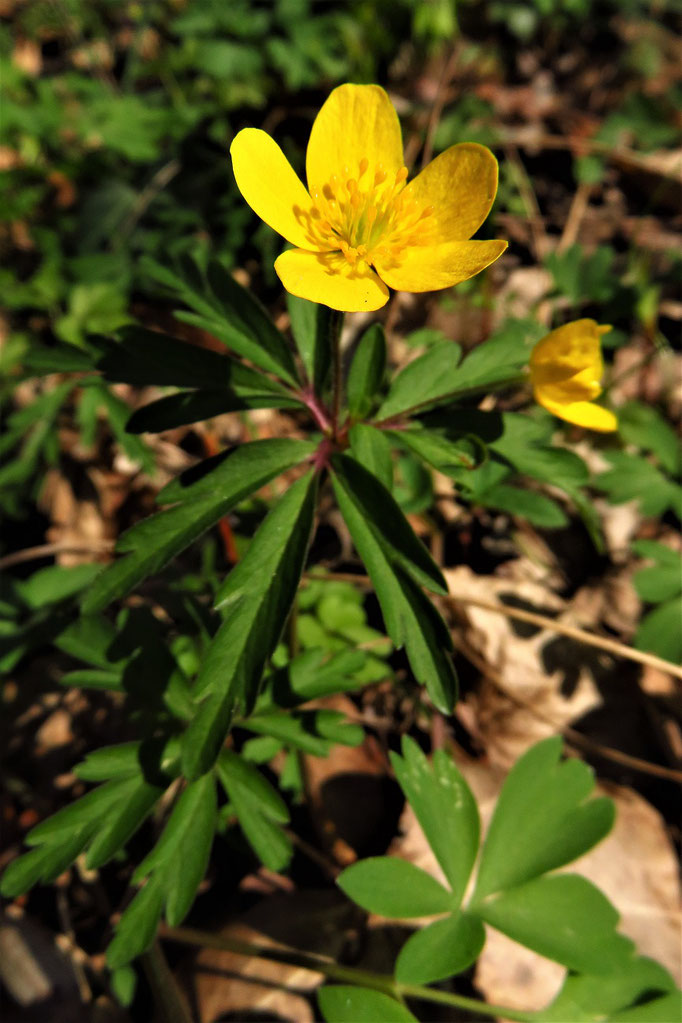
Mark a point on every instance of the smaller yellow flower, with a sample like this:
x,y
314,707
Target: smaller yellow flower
x,y
360,228
566,368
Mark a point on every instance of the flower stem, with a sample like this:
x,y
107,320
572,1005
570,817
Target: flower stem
x,y
335,325
335,971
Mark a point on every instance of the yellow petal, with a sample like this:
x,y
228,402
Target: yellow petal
x,y
553,381
582,413
356,123
572,347
460,185
327,278
270,185
430,268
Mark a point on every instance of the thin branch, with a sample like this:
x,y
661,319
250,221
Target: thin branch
x,y
574,737
334,971
46,550
438,104
541,243
583,146
581,635
575,216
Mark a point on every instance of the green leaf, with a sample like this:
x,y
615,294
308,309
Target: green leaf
x,y
91,807
230,313
272,846
175,868
394,888
257,597
64,835
387,522
55,583
543,819
310,326
43,864
196,406
122,823
664,579
445,809
340,1003
562,917
89,638
425,381
538,509
660,582
123,984
259,809
443,949
148,358
660,632
658,552
494,361
658,1010
542,461
110,762
313,673
59,359
93,678
221,472
310,731
590,999
136,929
367,371
411,619
633,477
234,772
372,449
646,428
448,455
152,543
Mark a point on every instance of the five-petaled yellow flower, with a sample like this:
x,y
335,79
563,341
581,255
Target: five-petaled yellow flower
x,y
566,369
359,226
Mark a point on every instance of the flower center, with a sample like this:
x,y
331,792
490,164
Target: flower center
x,y
368,218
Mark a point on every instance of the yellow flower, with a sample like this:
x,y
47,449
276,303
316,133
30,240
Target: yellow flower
x,y
359,227
566,369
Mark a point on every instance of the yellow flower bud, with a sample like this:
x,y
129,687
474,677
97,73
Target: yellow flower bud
x,y
566,368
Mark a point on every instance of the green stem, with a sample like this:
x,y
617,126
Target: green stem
x,y
335,325
328,968
170,1002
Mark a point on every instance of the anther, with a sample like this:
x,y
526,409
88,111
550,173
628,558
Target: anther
x,y
379,175
426,212
327,192
401,175
364,164
352,185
